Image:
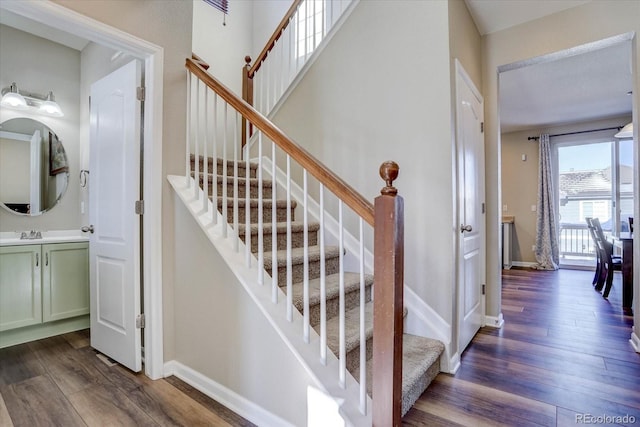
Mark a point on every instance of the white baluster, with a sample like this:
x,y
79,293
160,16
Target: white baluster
x,y
305,225
274,268
205,154
343,348
363,337
236,141
323,284
289,266
188,136
247,206
196,154
225,220
214,154
274,229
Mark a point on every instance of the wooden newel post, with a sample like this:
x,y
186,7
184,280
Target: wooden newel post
x,y
388,301
247,95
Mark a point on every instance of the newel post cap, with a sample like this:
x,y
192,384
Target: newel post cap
x,y
389,173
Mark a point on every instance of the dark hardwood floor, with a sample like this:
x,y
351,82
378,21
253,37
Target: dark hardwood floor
x,y
563,352
60,381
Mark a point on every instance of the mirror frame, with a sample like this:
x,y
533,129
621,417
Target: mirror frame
x,y
51,166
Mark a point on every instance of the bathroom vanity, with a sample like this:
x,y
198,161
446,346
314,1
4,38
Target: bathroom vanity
x,y
44,285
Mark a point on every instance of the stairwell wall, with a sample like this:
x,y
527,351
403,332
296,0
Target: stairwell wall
x,y
379,91
221,333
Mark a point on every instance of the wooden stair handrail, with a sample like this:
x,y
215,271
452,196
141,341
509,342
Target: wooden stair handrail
x,y
274,38
340,188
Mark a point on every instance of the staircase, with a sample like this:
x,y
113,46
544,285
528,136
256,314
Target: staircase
x,y
420,358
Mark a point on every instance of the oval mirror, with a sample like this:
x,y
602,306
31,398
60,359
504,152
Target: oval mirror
x,y
34,171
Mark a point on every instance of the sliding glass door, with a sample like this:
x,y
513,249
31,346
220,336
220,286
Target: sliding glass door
x,y
593,180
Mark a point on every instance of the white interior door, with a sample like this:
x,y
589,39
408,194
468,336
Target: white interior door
x,y
471,232
114,159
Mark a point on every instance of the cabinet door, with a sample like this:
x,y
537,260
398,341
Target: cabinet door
x,y
65,280
20,286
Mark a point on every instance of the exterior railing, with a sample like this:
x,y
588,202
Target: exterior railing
x,y
575,240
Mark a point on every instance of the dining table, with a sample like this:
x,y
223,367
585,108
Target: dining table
x,y
624,241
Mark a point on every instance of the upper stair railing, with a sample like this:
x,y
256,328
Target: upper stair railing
x,y
304,26
215,118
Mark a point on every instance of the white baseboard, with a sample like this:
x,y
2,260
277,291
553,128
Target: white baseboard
x,y
238,404
635,341
454,364
494,321
525,264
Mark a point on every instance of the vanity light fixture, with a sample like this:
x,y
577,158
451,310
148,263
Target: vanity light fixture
x,y
12,98
625,132
21,100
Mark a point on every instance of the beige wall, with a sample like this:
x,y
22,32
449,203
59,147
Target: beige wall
x,y
167,24
381,91
584,24
520,178
465,42
47,66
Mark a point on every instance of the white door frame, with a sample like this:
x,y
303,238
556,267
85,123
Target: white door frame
x,y
56,16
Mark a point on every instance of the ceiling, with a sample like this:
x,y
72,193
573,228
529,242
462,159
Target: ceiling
x,y
27,25
562,88
495,15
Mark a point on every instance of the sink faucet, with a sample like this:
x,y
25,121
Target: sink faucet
x,y
33,234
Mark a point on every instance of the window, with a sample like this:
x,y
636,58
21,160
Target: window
x,y
310,26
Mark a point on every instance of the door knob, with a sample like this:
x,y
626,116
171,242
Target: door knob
x,y
464,228
89,229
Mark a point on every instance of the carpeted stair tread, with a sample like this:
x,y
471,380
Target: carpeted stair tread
x,y
253,203
420,365
332,290
297,255
281,227
253,182
241,166
351,328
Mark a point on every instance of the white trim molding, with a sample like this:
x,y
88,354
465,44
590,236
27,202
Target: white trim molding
x,y
635,342
494,321
524,264
57,16
223,395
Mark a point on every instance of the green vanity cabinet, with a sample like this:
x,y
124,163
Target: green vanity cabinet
x,y
20,286
43,283
65,280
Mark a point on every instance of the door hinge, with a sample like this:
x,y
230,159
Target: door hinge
x,y
140,93
484,289
139,207
481,127
482,207
140,321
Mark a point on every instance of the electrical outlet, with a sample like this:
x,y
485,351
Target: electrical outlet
x,y
533,208
533,248
504,208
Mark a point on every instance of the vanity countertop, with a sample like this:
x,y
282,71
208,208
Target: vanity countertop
x,y
12,238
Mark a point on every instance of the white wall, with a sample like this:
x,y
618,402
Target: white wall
x,y
224,47
38,65
381,91
590,22
267,14
221,333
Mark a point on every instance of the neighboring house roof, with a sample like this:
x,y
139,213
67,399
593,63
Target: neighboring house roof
x,y
594,183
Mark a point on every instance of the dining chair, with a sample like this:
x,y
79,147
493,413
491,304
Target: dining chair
x,y
598,273
608,262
